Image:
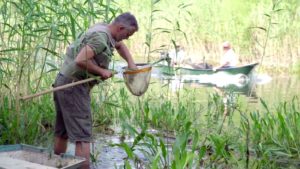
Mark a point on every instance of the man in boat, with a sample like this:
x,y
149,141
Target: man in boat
x,y
179,59
88,55
229,58
177,55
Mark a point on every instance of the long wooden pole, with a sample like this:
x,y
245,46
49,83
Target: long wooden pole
x,y
59,88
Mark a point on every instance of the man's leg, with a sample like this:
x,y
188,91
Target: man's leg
x,y
60,145
60,133
83,150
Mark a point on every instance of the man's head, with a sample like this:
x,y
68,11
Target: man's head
x,y
124,26
226,45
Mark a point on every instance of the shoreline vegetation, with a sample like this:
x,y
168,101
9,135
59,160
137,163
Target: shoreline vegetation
x,y
33,38
260,31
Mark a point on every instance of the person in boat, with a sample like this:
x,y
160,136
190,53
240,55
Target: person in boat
x,y
88,55
229,58
177,55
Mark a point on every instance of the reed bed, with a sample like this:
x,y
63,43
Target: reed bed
x,y
265,31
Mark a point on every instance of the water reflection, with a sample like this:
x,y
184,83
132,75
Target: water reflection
x,y
227,87
220,82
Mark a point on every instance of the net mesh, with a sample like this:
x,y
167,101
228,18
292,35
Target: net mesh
x,y
137,80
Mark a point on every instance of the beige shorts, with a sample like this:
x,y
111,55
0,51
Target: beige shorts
x,y
73,112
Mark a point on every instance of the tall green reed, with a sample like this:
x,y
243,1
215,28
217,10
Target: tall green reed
x,y
271,23
34,36
150,34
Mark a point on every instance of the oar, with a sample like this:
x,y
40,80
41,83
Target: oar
x,y
167,58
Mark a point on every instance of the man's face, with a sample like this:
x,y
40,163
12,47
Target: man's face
x,y
226,48
124,33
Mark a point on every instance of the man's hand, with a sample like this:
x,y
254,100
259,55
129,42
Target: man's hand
x,y
132,66
105,74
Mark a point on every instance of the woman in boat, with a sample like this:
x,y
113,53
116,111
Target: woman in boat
x,y
229,58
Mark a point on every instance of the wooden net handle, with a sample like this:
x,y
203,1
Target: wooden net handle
x,y
58,88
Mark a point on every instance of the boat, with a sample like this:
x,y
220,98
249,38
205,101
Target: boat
x,y
26,156
168,70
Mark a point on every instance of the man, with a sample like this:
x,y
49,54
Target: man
x,y
88,55
229,58
177,55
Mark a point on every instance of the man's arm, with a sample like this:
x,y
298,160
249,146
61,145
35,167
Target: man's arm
x,y
84,61
220,66
224,64
125,54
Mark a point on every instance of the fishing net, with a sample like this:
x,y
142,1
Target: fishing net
x,y
137,80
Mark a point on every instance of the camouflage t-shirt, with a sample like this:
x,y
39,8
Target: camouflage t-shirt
x,y
101,42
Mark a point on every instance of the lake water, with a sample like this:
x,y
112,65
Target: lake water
x,y
270,88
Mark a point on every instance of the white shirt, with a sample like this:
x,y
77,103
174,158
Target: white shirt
x,y
177,58
229,57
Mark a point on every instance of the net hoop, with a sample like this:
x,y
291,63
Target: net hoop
x,y
137,80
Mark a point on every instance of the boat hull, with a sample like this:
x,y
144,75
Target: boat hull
x,y
245,69
27,156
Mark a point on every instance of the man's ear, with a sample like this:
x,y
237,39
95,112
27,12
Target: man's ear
x,y
121,27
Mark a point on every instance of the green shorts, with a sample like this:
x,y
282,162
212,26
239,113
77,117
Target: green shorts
x,y
73,112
